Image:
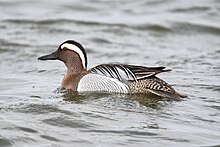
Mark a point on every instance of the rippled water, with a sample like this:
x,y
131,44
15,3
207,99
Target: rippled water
x,y
181,35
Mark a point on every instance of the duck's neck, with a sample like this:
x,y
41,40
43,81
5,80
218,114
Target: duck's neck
x,y
72,78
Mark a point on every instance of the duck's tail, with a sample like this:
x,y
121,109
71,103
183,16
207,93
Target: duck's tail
x,y
173,95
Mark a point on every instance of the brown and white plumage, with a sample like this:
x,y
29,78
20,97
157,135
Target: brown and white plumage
x,y
119,78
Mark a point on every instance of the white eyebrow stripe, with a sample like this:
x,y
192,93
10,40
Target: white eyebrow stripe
x,y
77,50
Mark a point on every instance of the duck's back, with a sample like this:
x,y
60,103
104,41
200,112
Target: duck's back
x,y
120,78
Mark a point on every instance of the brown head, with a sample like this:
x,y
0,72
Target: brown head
x,y
72,54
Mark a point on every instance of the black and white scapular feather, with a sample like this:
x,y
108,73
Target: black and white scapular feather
x,y
124,72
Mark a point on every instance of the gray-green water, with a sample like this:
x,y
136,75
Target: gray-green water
x,y
181,35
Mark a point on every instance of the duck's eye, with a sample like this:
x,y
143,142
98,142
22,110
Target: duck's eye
x,y
64,49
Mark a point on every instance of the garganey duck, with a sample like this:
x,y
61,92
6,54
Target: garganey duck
x,y
117,78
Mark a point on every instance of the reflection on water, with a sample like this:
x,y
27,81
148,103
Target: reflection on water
x,y
181,35
146,100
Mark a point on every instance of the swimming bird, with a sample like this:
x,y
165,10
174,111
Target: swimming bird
x,y
115,78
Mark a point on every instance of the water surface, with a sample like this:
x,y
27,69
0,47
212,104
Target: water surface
x,y
181,35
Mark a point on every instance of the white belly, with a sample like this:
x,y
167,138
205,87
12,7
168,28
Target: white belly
x,y
95,82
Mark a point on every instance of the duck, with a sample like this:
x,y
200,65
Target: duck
x,y
110,77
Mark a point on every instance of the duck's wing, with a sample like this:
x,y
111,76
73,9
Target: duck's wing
x,y
124,72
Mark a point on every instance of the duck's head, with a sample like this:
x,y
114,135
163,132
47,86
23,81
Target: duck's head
x,y
71,53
